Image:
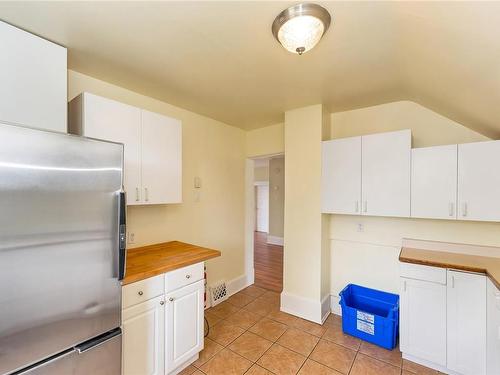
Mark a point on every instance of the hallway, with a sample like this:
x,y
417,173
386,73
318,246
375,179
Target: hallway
x,y
268,263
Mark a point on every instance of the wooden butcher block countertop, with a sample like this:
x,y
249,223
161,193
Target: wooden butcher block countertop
x,y
473,263
152,260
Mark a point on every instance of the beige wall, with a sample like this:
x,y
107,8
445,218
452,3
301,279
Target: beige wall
x,y
265,141
276,196
371,257
213,151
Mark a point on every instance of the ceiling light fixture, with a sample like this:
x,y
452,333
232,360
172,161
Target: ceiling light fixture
x,y
300,27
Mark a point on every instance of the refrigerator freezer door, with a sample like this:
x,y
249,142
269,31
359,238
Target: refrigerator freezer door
x,y
59,246
104,359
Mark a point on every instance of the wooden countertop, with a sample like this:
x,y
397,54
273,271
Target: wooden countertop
x,y
152,260
473,263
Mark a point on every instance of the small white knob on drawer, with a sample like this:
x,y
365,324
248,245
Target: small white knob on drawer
x,y
188,276
162,302
171,299
140,292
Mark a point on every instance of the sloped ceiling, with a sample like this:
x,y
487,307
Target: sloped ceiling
x,y
221,60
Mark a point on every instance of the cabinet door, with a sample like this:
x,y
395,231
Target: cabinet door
x,y
386,174
434,182
478,181
117,122
144,338
184,324
33,75
466,323
493,330
423,320
341,176
161,159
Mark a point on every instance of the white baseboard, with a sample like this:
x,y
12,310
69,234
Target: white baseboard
x,y
302,307
334,304
237,284
429,364
325,308
275,240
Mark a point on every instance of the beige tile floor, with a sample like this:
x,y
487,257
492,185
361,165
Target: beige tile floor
x,y
249,335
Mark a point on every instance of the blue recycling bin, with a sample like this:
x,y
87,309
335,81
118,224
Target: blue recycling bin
x,y
370,314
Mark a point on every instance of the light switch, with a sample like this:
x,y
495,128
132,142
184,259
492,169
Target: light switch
x,y
197,183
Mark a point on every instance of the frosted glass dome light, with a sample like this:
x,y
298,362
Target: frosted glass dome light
x,y
300,28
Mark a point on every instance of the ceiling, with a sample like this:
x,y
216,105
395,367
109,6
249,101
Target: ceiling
x,y
219,59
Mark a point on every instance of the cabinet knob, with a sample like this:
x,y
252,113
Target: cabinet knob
x,y
140,292
162,303
188,276
171,299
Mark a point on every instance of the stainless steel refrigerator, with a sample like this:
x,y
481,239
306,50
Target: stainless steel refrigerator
x,y
62,253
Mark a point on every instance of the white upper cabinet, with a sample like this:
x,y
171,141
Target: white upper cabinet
x,y
434,182
341,176
161,158
466,323
152,146
33,76
386,174
479,181
112,121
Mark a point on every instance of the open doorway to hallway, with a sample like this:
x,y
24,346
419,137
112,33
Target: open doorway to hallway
x,y
269,185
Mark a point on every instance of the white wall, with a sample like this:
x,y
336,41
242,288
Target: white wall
x,y
371,257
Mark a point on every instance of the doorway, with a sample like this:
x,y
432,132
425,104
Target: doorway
x,y
269,221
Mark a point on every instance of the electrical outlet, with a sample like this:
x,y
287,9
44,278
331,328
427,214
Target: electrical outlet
x,y
131,237
361,227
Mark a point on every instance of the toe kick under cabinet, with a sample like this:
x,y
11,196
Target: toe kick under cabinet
x,y
162,322
449,320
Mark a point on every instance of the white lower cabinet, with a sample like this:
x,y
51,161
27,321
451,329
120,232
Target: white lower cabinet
x,y
466,323
144,338
492,329
443,321
184,324
423,320
162,322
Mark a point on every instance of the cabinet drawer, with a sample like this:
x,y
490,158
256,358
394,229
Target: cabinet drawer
x,y
141,291
426,273
183,276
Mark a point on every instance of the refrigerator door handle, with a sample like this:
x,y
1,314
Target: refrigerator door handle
x,y
122,236
97,341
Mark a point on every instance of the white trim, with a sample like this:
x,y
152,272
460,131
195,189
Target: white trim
x,y
302,307
261,183
325,308
334,305
235,285
274,240
429,364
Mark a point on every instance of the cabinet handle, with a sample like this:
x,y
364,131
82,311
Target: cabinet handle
x,y
146,194
453,281
356,206
162,303
464,209
451,209
188,276
404,286
137,194
365,206
171,299
140,292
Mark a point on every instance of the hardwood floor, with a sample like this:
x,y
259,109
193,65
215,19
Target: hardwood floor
x,y
268,263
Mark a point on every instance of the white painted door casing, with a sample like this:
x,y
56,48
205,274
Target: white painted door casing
x,y
117,122
423,320
33,76
466,323
143,342
161,159
493,329
479,181
341,176
386,164
184,324
434,182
